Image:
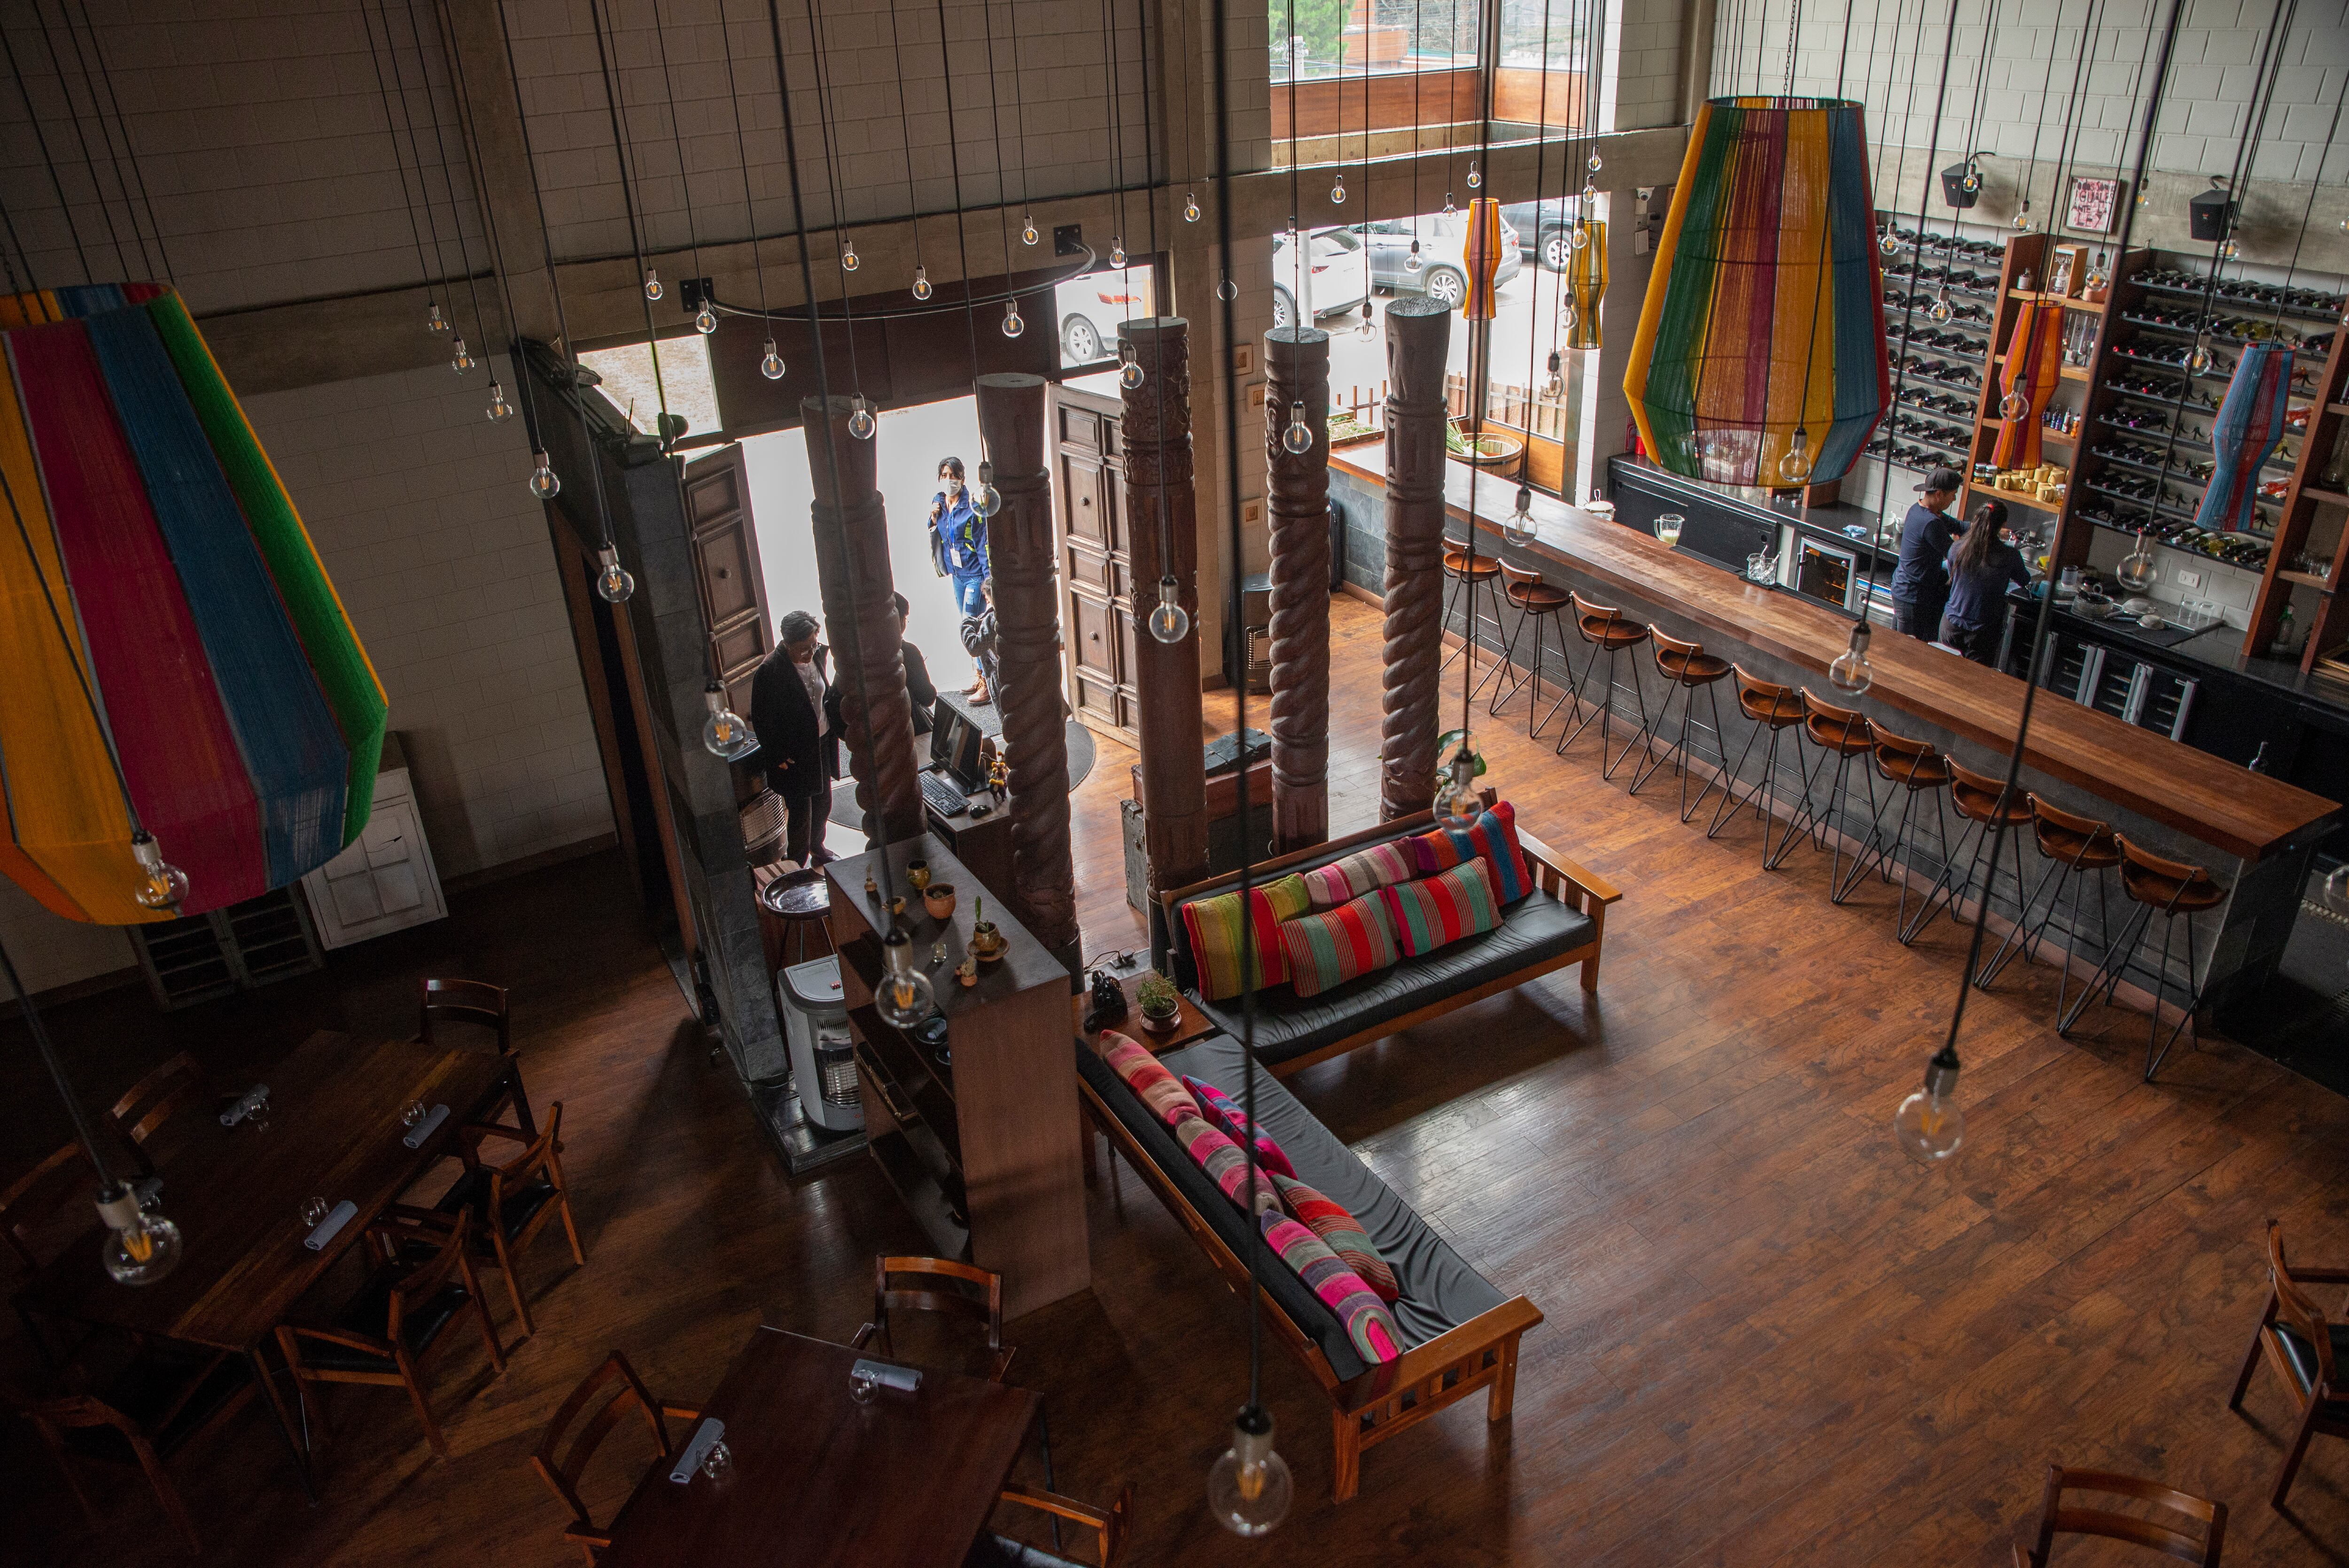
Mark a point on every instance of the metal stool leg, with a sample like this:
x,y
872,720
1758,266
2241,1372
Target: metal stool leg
x,y
2192,1005
1941,836
1729,801
1691,808
1582,720
1505,690
1646,769
1875,849
2024,935
1972,839
1492,597
1607,769
1567,693
1839,809
2109,962
1798,821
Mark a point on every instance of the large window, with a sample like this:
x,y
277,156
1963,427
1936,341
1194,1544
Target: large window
x,y
1336,96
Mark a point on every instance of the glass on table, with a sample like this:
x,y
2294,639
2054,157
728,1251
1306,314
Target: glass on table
x,y
718,1460
863,1386
1668,528
314,1212
412,1114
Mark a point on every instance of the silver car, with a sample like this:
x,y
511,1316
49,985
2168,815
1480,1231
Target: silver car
x,y
1442,273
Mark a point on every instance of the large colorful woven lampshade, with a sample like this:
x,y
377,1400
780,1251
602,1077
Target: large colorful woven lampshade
x,y
1764,316
157,587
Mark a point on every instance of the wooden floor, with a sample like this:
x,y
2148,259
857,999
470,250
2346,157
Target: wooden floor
x,y
1770,1337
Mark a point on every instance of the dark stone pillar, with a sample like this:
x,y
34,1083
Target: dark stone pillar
x,y
860,621
1160,497
1027,649
1419,336
1297,505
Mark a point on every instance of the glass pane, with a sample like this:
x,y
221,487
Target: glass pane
x,y
685,383
1090,308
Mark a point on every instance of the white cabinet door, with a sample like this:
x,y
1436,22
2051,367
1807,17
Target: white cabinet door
x,y
384,881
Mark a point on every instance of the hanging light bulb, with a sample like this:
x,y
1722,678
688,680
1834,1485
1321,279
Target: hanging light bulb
x,y
498,410
1519,529
1887,241
848,262
652,285
1297,439
1338,190
1129,370
1475,180
860,418
615,583
1554,386
1190,207
1580,238
2199,359
1250,1487
161,885
433,320
1013,325
1028,235
2015,406
461,358
542,482
1928,1125
1940,312
1567,316
142,1246
1589,192
2229,250
1117,251
1448,210
1411,264
921,283
1972,179
1457,803
1170,623
706,321
771,367
2023,219
1595,165
1795,466
904,998
1851,673
1367,328
1227,289
990,500
724,734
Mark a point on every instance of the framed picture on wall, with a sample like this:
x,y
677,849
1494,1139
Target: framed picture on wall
x,y
2094,206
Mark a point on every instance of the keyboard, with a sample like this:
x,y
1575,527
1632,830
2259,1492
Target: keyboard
x,y
942,797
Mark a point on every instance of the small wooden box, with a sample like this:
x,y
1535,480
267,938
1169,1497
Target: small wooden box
x,y
2068,271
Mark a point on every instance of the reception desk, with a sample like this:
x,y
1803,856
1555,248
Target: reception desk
x,y
2253,833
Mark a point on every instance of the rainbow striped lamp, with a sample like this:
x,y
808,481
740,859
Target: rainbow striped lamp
x,y
173,662
1759,359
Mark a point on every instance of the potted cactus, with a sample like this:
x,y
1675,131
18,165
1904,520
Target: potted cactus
x,y
1160,1004
986,944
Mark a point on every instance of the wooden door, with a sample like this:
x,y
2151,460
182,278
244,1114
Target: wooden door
x,y
726,569
1097,584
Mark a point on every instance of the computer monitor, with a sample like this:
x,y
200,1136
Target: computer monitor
x,y
955,746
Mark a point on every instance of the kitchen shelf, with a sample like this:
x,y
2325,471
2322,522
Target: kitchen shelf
x,y
1991,493
2307,580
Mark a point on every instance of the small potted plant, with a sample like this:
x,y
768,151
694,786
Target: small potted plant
x,y
1162,1004
986,944
938,898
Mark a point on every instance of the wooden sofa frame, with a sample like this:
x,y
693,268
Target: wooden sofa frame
x,y
1576,886
1385,1400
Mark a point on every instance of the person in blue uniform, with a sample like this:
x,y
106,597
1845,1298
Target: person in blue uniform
x,y
1920,585
959,538
1982,564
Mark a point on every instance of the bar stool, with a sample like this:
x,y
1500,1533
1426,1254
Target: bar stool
x,y
2168,889
1608,632
1538,602
1918,769
1690,669
1975,797
1775,710
1840,734
1467,576
801,902
2076,848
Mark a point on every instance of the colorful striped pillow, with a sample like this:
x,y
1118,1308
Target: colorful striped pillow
x,y
1212,925
1332,947
1341,1233
1368,1323
1494,837
1446,907
1152,1084
1225,1164
1221,1111
1365,871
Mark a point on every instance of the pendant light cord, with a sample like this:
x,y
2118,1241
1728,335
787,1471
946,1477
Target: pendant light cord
x,y
500,277
622,146
750,209
677,131
109,1188
89,162
130,151
448,181
49,158
826,107
394,93
906,137
953,165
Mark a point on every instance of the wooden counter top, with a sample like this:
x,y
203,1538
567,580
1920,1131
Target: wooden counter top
x,y
2246,814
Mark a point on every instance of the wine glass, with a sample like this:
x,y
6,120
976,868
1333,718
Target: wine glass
x,y
718,1460
412,1114
863,1386
314,1212
1668,528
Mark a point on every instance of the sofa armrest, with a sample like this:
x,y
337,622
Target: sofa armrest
x,y
1423,1363
1557,875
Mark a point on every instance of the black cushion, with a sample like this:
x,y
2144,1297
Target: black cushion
x,y
145,1390
522,1205
992,1550
2301,1356
370,1313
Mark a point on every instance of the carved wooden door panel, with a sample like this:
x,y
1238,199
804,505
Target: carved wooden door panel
x,y
726,569
1096,567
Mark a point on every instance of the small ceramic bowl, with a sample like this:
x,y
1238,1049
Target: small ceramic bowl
x,y
938,898
2149,620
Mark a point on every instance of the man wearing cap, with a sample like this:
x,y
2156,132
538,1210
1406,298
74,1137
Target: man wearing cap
x,y
1921,586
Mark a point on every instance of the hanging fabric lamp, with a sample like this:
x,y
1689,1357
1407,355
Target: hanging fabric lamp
x,y
2033,362
157,589
2250,424
1481,251
1760,354
1586,284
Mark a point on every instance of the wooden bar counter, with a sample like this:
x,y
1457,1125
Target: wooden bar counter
x,y
2252,833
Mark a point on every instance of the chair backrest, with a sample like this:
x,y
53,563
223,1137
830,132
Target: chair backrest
x,y
424,1282
1897,756
541,1157
1111,1524
1518,576
35,1197
1584,607
466,1002
2201,1546
148,1103
1756,695
613,1389
2299,1313
1827,723
2190,880
2099,835
1673,648
956,1289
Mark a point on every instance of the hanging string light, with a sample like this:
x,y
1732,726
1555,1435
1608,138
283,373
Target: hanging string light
x,y
770,363
498,410
396,124
861,422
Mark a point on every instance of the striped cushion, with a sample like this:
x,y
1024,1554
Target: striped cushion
x,y
1153,1085
1212,925
1341,1233
1224,1163
1446,907
1494,837
1221,1111
1368,1323
1365,871
1332,947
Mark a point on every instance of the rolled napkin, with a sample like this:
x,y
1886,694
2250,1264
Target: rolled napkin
x,y
254,1098
337,1218
426,1127
887,1373
690,1458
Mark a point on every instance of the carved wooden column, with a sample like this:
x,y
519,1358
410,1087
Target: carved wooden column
x,y
860,621
1419,336
1028,652
1297,505
1160,497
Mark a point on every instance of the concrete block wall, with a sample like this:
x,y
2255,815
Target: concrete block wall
x,y
1647,85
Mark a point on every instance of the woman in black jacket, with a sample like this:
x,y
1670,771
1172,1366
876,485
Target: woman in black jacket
x,y
1980,566
797,722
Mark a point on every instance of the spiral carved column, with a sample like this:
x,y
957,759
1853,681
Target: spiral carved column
x,y
1296,506
1419,336
1161,495
1028,654
860,621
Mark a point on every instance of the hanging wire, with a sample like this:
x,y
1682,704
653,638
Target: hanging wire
x,y
1150,183
105,131
49,158
1418,73
750,210
2067,145
129,151
1541,165
905,136
1116,117
499,275
827,106
393,127
677,133
622,146
89,163
441,146
1002,174
2292,267
954,164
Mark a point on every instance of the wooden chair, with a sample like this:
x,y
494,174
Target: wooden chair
x,y
563,1473
974,1292
475,1002
1110,1525
143,1110
2191,1546
381,1335
2303,1348
510,1203
28,1215
162,1401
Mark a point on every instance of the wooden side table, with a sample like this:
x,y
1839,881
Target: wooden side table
x,y
1190,1024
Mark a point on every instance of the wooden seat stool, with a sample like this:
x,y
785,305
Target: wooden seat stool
x,y
1540,603
2077,849
1977,799
1775,710
1689,669
1610,632
1839,735
2169,888
1921,773
1467,575
802,902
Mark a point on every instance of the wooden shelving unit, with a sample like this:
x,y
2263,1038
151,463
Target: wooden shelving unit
x,y
1918,435
2329,626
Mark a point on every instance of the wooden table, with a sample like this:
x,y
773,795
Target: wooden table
x,y
1190,1024
906,1481
236,1195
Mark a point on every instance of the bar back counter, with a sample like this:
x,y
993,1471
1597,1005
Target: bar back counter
x,y
2254,833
